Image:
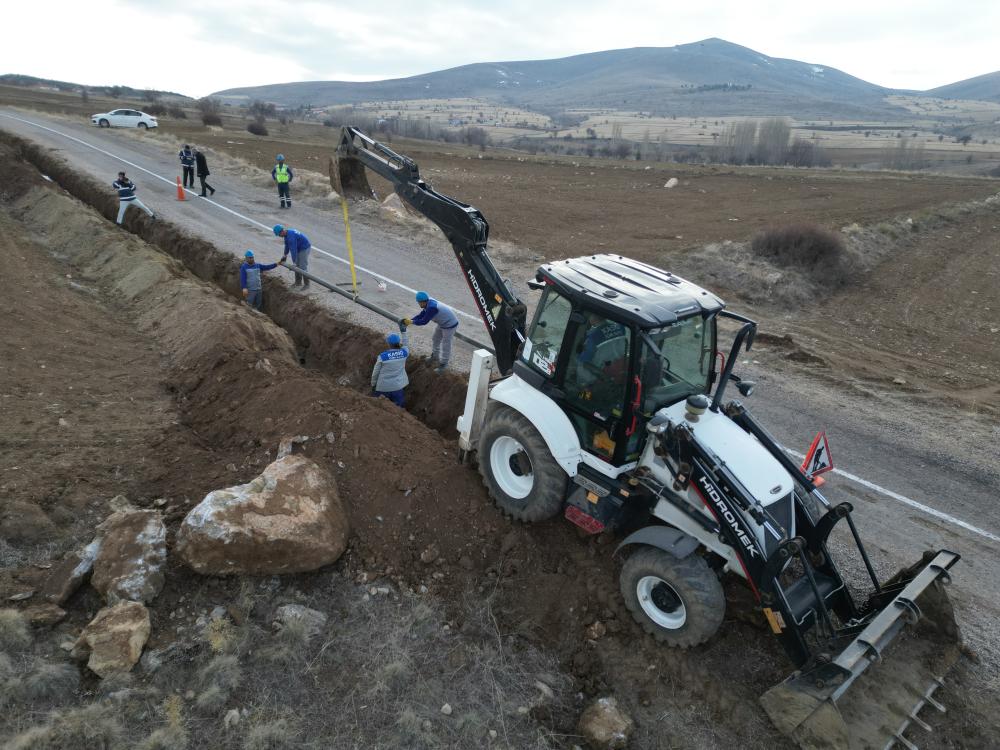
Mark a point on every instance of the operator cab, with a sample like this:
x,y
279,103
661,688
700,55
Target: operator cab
x,y
612,341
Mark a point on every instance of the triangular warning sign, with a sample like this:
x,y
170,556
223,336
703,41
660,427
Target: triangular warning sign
x,y
818,458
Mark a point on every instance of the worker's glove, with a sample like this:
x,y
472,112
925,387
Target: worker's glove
x,y
407,322
246,293
402,326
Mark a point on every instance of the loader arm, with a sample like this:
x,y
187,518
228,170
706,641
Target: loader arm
x,y
503,313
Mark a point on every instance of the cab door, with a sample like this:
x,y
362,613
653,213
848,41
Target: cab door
x,y
596,384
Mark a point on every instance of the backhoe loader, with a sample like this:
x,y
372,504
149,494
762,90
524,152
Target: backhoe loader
x,y
610,409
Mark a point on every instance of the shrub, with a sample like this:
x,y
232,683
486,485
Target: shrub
x,y
157,110
816,251
51,682
14,632
211,120
90,727
257,128
177,113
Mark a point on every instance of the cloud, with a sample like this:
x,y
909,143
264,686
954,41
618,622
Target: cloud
x,y
197,47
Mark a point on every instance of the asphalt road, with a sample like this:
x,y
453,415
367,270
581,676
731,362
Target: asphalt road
x,y
934,457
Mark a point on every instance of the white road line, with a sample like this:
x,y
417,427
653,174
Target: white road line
x,y
237,214
907,501
847,475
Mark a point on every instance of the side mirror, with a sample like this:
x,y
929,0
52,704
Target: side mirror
x,y
745,387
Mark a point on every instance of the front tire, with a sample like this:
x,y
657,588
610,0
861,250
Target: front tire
x,y
102,123
678,602
521,475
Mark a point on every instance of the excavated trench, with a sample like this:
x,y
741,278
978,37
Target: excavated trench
x,y
325,342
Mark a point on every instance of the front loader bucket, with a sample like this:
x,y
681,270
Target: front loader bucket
x,y
348,178
834,708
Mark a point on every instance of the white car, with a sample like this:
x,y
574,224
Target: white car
x,y
124,118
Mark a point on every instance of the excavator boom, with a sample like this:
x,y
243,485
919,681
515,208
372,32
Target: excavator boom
x,y
467,230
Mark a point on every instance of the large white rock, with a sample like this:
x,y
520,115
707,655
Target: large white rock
x,y
604,726
288,520
133,554
114,639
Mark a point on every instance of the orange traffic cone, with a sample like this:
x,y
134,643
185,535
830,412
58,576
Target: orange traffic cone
x,y
180,190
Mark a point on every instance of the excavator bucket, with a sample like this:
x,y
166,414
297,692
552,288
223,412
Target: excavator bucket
x,y
873,691
348,178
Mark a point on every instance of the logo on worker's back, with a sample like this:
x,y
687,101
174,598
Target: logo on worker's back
x,y
818,458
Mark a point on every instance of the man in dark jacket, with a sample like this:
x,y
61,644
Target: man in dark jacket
x,y
282,175
126,196
199,160
298,246
186,155
250,281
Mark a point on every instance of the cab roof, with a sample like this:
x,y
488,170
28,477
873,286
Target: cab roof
x,y
627,290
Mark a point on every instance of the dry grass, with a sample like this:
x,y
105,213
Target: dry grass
x,y
93,726
15,635
51,683
376,676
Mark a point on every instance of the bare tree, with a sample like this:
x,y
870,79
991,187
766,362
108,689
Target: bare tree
x,y
772,141
738,142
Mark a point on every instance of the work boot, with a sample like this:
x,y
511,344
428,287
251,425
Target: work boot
x,y
441,368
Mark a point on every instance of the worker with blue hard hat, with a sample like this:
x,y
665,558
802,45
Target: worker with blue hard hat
x,y
389,374
282,176
447,325
250,281
298,246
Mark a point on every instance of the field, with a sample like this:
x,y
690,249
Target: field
x,y
129,370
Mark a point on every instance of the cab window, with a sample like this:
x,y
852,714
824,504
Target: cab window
x,y
545,340
676,362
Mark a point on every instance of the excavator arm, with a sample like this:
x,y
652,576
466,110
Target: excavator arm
x,y
503,313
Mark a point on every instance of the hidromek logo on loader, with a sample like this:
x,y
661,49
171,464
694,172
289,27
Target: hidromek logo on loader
x,y
482,300
727,514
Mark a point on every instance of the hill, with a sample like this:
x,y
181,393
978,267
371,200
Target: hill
x,y
15,79
985,88
710,77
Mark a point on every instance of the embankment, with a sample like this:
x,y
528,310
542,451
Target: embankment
x,y
323,340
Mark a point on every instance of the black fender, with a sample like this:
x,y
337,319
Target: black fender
x,y
672,541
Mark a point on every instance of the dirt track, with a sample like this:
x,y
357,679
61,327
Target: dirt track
x,y
550,577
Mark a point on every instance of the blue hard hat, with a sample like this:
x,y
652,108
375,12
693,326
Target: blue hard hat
x,y
281,157
423,296
278,229
393,339
248,254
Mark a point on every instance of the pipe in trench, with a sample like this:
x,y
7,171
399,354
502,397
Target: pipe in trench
x,y
356,299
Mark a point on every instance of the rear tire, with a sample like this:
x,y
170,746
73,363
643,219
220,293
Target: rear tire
x,y
143,126
518,470
678,602
102,123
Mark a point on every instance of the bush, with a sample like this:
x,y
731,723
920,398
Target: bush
x,y
257,128
14,633
177,113
211,120
158,110
816,251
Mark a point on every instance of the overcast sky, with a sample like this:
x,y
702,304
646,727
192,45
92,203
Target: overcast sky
x,y
200,47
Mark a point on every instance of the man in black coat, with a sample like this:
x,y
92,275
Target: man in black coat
x,y
202,169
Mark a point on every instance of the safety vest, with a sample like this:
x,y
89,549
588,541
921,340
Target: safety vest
x,y
281,173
